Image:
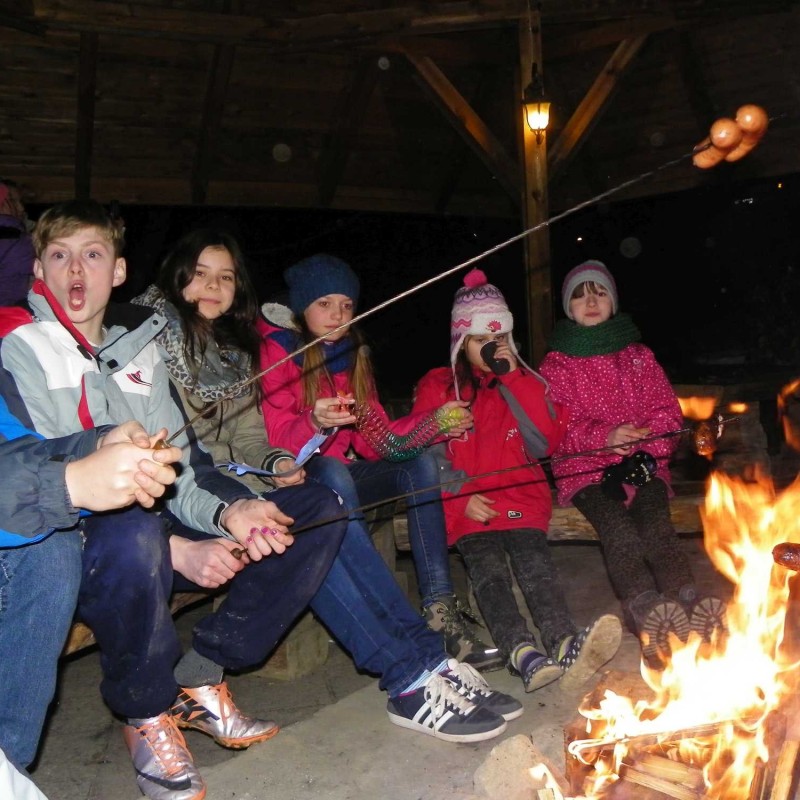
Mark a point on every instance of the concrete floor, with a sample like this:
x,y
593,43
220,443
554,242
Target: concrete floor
x,y
336,742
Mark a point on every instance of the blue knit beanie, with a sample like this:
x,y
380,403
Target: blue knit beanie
x,y
317,276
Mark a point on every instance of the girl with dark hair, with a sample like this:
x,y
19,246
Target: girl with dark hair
x,y
205,294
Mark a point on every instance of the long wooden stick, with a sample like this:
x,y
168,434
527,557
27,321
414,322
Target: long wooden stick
x,y
582,747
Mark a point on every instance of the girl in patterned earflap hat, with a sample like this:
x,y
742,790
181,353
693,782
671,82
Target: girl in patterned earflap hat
x,y
497,500
617,394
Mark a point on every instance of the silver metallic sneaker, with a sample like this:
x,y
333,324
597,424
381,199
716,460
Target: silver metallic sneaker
x,y
164,766
211,710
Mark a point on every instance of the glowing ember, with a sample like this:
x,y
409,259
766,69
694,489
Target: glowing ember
x,y
712,702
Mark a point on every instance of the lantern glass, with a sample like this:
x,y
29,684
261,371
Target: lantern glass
x,y
537,115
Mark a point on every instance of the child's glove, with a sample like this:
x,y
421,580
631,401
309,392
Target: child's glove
x,y
635,470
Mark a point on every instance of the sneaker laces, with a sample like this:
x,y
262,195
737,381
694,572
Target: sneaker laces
x,y
471,680
167,743
453,619
441,694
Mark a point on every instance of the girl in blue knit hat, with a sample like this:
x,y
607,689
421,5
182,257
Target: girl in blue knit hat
x,y
323,390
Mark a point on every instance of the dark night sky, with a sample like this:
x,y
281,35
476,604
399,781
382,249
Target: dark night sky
x,y
710,274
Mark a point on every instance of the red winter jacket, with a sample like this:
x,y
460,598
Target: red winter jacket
x,y
522,496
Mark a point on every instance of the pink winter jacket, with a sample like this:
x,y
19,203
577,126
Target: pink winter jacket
x,y
288,419
602,392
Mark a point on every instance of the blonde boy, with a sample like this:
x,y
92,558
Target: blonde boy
x,y
83,361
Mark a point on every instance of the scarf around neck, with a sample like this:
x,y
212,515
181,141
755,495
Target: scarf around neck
x,y
220,368
610,336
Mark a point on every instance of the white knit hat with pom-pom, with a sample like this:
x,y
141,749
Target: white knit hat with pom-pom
x,y
479,308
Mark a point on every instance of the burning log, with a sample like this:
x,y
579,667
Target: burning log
x,y
664,775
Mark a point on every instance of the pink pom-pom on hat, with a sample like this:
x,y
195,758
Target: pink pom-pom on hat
x,y
475,277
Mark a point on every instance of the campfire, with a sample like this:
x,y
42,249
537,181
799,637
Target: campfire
x,y
719,721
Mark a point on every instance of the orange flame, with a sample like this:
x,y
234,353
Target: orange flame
x,y
791,431
697,407
738,679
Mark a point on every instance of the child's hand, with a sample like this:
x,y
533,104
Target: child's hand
x,y
624,436
294,477
209,563
458,417
118,474
259,526
333,412
479,509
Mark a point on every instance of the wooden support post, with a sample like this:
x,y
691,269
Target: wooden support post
x,y
534,205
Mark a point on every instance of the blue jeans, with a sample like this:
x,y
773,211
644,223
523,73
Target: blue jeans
x,y
38,590
128,580
364,482
364,608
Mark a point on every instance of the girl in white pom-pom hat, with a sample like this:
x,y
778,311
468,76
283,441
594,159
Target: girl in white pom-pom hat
x,y
617,395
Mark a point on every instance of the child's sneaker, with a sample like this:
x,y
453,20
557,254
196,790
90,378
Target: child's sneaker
x,y
211,709
448,617
164,766
437,709
588,650
707,616
664,617
471,684
538,670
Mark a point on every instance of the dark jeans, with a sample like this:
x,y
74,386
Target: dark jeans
x,y
362,482
362,605
529,555
641,549
128,579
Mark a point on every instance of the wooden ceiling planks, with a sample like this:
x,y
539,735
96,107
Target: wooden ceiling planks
x,y
363,104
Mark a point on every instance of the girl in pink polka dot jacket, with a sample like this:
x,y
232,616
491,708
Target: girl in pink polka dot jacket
x,y
618,394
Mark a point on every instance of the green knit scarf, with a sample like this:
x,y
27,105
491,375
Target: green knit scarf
x,y
596,340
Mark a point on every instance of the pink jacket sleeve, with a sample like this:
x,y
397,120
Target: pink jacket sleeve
x,y
288,422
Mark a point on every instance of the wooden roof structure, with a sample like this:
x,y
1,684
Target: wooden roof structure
x,y
399,106
388,105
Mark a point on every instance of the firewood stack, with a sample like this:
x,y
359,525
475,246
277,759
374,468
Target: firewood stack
x,y
651,769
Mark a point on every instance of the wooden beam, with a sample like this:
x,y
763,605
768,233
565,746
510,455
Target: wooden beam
x,y
591,108
279,29
345,127
219,73
534,200
87,84
605,35
467,123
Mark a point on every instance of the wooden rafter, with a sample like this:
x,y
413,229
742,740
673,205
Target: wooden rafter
x,y
345,127
591,108
467,123
218,76
611,33
87,85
